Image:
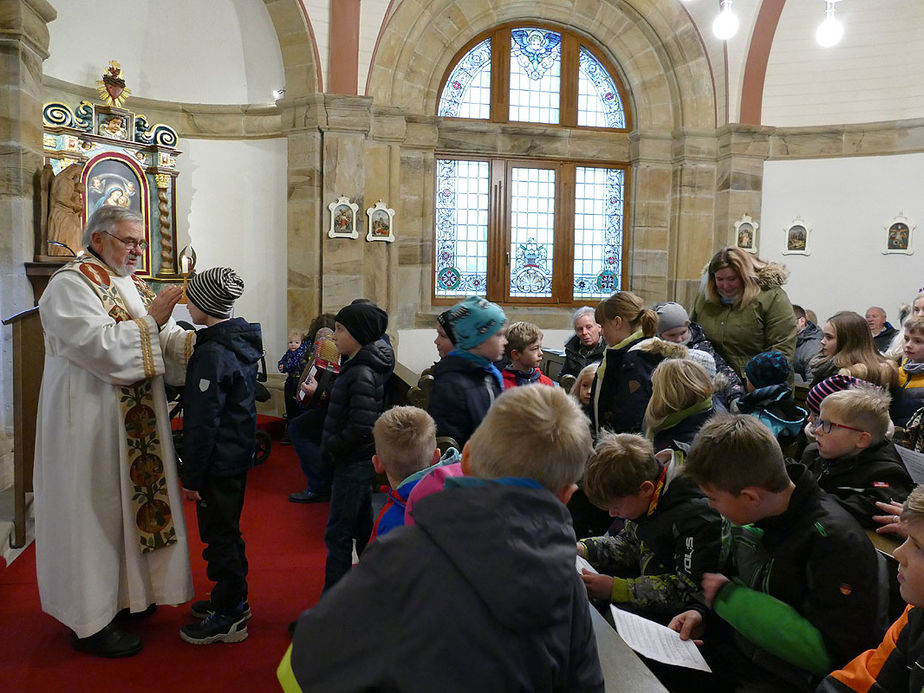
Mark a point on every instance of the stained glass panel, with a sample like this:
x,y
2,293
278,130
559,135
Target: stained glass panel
x,y
535,75
599,104
598,214
461,227
532,232
467,92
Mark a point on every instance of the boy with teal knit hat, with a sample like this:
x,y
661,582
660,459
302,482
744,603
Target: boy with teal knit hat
x,y
466,382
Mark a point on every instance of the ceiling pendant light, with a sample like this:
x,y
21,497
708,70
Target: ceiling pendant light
x,y
831,30
726,24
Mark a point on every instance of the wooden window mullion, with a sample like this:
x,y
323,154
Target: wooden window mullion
x,y
569,81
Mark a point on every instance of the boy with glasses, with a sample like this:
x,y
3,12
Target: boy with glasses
x,y
851,457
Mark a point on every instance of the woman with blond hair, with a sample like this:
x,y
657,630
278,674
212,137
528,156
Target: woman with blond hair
x,y
622,385
847,348
681,402
743,308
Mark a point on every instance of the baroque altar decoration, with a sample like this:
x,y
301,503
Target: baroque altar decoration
x,y
104,154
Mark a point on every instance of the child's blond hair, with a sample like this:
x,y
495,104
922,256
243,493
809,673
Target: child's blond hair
x,y
913,508
295,334
675,385
863,406
914,324
405,438
734,451
587,373
521,335
538,433
621,463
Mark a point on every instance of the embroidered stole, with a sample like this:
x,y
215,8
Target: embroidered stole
x,y
150,502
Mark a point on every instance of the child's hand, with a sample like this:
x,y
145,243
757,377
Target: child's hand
x,y
891,519
279,367
598,586
191,495
689,624
712,583
580,549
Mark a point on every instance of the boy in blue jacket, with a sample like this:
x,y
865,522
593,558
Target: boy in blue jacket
x,y
219,432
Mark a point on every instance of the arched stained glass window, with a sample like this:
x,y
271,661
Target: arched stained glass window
x,y
467,92
599,104
508,225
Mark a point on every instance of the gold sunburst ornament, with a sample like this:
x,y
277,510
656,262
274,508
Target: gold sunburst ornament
x,y
112,87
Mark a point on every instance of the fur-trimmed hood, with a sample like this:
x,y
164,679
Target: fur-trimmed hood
x,y
772,276
661,347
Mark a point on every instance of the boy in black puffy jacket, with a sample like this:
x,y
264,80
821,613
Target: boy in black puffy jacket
x,y
356,401
465,381
219,432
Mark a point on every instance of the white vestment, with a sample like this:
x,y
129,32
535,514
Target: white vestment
x,y
89,561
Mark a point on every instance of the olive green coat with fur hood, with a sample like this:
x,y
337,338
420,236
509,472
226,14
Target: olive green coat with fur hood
x,y
740,332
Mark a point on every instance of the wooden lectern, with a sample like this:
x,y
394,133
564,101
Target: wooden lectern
x,y
28,364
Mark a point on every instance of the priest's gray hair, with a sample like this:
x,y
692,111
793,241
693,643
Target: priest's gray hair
x,y
106,219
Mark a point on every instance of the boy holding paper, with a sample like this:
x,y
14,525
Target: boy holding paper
x,y
800,585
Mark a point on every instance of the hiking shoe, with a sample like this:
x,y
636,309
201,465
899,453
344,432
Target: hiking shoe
x,y
203,609
216,627
109,642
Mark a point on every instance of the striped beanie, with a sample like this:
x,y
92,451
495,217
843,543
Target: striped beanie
x,y
214,291
835,383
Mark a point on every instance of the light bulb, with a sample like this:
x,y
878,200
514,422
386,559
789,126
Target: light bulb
x,y
726,24
830,31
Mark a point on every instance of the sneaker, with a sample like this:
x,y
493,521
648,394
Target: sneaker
x,y
109,642
216,627
203,609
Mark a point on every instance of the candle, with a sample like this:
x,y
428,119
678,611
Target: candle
x,y
184,264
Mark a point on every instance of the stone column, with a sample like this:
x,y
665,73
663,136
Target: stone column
x,y
23,47
300,118
692,219
742,151
651,210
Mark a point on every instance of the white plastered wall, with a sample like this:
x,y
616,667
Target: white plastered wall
x,y
235,192
848,203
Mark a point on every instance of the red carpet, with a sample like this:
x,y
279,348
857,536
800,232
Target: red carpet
x,y
286,552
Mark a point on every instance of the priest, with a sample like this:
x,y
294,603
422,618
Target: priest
x,y
109,526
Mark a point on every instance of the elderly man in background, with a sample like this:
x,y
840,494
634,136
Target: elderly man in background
x,y
587,344
879,327
110,533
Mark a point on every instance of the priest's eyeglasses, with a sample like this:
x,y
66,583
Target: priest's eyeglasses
x,y
130,242
826,426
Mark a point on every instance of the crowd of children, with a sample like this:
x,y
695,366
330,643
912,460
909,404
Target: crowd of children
x,y
703,520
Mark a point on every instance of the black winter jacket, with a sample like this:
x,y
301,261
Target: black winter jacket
x,y
482,595
219,414
462,393
808,344
816,559
578,356
357,399
876,474
620,400
728,385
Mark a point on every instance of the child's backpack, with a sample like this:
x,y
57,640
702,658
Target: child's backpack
x,y
783,417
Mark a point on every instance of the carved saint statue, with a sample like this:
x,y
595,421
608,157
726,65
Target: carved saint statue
x,y
65,219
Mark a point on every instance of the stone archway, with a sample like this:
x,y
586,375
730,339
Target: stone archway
x,y
298,46
664,64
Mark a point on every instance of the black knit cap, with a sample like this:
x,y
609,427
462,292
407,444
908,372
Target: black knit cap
x,y
213,291
366,322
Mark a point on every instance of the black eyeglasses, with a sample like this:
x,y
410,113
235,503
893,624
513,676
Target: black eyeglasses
x,y
826,426
130,243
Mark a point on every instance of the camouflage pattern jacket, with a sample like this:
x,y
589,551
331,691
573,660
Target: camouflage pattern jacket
x,y
658,559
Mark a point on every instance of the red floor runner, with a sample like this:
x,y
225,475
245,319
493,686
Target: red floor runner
x,y
286,552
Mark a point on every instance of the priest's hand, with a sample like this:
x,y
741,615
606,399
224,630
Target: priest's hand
x,y
191,495
161,307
